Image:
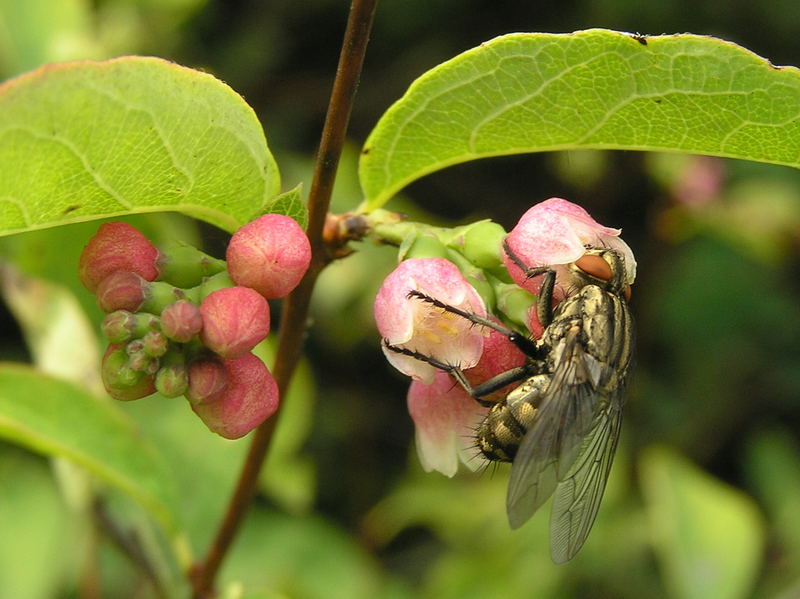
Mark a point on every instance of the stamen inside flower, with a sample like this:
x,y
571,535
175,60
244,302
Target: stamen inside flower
x,y
432,337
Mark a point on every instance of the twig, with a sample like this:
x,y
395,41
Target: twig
x,y
295,308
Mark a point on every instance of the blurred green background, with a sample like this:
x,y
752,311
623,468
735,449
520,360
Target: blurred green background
x,y
703,496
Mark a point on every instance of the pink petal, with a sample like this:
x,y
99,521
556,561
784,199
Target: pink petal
x,y
445,417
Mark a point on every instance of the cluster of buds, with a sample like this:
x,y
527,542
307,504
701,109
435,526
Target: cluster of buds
x,y
180,322
468,269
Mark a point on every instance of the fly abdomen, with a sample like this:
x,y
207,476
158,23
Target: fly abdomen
x,y
504,427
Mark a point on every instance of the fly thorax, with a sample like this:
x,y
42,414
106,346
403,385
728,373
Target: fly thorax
x,y
599,321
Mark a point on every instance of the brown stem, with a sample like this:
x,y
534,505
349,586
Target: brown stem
x,y
295,308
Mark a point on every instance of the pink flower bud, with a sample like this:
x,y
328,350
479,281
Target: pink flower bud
x,y
207,380
420,326
555,232
249,399
117,246
181,321
121,290
270,254
445,417
234,321
155,344
120,380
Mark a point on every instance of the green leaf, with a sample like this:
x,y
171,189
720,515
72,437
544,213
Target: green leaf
x,y
305,557
57,418
532,92
708,536
37,554
773,465
85,140
291,204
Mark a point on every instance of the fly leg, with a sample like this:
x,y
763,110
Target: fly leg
x,y
525,344
544,305
477,392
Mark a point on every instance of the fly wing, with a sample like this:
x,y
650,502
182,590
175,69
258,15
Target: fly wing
x,y
577,497
554,441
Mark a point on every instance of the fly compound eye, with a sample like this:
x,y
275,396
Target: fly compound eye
x,y
594,266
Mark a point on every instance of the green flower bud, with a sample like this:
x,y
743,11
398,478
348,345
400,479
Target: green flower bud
x,y
515,303
481,243
475,276
159,295
212,284
185,266
422,245
122,326
172,380
120,380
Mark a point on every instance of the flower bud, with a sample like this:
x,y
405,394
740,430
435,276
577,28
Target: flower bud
x,y
515,303
121,290
234,321
270,254
122,326
185,266
250,397
155,344
117,246
159,295
181,321
120,380
207,380
422,245
138,359
209,285
172,380
119,326
481,244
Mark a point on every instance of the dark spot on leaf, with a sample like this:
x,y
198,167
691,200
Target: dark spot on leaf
x,y
658,100
642,39
365,151
72,208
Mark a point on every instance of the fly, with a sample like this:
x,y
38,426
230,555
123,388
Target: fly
x,y
560,426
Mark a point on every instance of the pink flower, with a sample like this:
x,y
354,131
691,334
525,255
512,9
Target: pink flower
x,y
445,417
250,397
555,232
235,320
117,246
270,254
422,327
